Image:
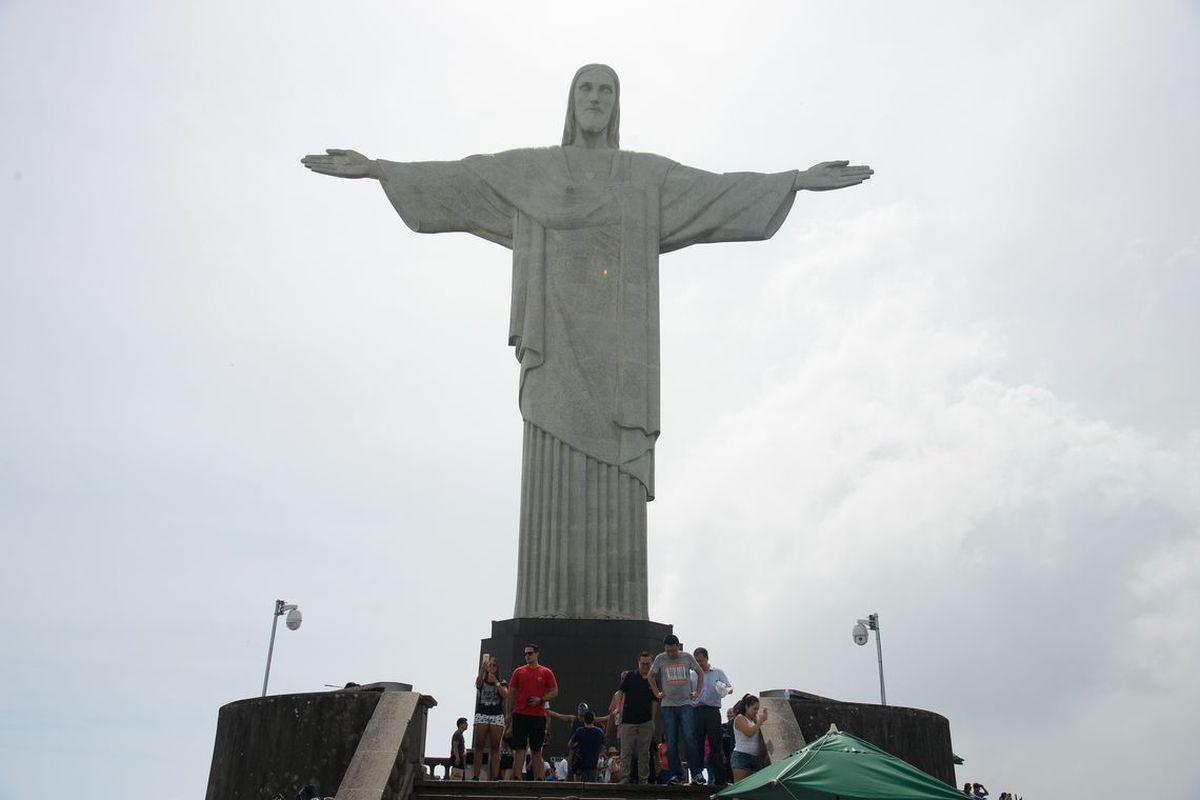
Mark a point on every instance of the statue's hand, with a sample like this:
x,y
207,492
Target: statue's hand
x,y
832,175
341,164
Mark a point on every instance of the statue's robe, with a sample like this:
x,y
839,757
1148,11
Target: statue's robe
x,y
584,326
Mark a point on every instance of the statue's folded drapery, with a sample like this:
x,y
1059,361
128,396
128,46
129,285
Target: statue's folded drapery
x,y
584,326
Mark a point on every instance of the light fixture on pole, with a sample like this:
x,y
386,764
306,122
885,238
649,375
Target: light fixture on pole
x,y
860,636
294,618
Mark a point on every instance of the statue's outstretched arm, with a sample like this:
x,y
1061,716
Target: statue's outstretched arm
x,y
430,196
831,175
342,164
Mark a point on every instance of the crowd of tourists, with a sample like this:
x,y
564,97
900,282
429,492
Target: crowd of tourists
x,y
977,791
684,690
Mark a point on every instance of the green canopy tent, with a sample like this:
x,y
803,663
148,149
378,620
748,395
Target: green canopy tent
x,y
839,765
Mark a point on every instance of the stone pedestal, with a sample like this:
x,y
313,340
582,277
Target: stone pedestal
x,y
355,743
277,744
587,657
922,738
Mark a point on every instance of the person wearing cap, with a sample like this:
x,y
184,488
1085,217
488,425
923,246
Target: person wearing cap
x,y
708,715
670,681
576,723
613,771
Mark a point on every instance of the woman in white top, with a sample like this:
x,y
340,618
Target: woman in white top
x,y
747,743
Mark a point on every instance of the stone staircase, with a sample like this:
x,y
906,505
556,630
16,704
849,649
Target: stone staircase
x,y
553,790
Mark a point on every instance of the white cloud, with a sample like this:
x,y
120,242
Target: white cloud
x,y
1015,547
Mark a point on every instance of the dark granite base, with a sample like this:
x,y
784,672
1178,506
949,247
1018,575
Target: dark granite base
x,y
277,744
922,738
587,657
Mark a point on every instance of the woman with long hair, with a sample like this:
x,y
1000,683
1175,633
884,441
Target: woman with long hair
x,y
747,743
490,693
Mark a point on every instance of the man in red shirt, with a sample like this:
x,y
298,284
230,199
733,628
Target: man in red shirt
x,y
531,686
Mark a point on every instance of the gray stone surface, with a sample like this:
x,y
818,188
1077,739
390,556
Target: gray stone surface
x,y
922,738
370,741
781,732
378,764
269,745
586,222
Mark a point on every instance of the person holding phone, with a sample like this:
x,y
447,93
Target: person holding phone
x,y
747,739
490,692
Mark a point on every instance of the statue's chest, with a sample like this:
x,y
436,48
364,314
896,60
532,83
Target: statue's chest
x,y
583,267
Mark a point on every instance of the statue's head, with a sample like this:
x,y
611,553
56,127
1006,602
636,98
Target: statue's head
x,y
594,104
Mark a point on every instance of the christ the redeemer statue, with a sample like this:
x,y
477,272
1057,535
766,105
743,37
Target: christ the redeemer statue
x,y
586,223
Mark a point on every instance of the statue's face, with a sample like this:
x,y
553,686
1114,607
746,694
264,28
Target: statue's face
x,y
595,95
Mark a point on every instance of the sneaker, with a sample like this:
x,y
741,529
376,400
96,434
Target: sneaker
x,y
698,780
674,782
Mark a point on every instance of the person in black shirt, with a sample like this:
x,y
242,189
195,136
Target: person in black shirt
x,y
727,745
458,751
637,720
490,693
576,723
587,742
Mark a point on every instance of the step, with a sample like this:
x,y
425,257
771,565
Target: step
x,y
548,790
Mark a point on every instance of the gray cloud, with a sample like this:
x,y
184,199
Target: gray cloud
x,y
961,396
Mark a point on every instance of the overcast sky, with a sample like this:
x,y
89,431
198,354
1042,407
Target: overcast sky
x,y
963,395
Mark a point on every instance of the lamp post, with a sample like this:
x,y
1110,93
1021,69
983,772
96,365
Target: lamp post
x,y
294,618
860,636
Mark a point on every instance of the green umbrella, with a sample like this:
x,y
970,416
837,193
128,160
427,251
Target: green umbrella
x,y
841,765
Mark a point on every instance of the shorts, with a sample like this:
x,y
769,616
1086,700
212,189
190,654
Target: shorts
x,y
743,761
528,730
489,719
